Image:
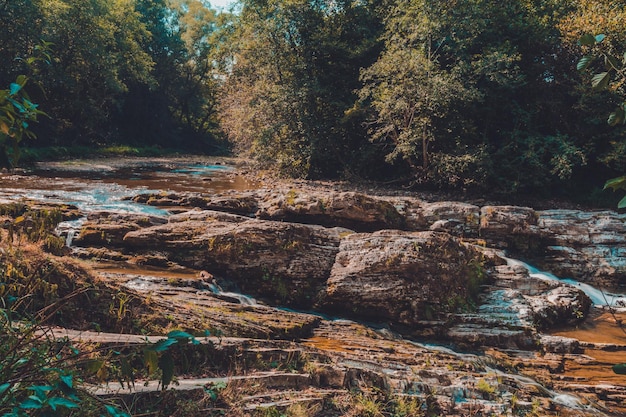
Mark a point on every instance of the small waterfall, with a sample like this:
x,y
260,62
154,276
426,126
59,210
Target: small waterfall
x,y
70,229
570,401
598,297
241,298
69,238
566,400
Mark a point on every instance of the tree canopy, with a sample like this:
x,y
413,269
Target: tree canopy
x,y
470,94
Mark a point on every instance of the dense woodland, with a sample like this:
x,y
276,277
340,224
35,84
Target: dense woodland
x,y
477,95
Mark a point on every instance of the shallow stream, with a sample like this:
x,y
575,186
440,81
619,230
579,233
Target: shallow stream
x,y
106,185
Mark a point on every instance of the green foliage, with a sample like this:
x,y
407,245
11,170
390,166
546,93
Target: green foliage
x,y
620,368
618,183
612,75
415,101
486,388
29,224
16,114
37,370
291,74
40,373
537,162
315,88
123,70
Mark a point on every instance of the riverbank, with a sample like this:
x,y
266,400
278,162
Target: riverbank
x,y
322,260
127,157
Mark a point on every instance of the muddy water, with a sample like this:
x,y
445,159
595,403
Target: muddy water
x,y
104,184
600,327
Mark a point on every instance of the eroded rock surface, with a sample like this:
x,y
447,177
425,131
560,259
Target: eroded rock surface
x,y
286,263
105,228
342,209
402,277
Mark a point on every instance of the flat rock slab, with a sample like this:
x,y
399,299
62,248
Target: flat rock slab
x,y
192,305
268,379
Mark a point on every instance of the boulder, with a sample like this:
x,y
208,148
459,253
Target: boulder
x,y
561,306
244,204
332,209
588,246
585,245
402,277
510,227
105,228
458,219
283,263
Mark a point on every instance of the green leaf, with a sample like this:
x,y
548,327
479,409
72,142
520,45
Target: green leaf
x,y
114,412
611,63
179,334
584,63
55,402
67,380
94,365
599,38
617,117
162,345
31,403
41,390
151,360
620,368
166,363
4,388
622,203
600,81
587,40
15,88
618,183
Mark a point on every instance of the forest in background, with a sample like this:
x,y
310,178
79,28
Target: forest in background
x,y
478,95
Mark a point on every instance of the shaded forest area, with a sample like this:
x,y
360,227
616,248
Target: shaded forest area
x,y
478,95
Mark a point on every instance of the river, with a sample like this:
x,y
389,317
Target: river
x,y
108,184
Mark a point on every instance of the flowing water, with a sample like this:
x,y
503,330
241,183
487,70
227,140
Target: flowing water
x,y
96,185
599,298
106,184
100,185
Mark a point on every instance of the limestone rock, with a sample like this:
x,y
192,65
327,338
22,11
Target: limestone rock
x,y
459,219
343,209
104,228
588,246
559,344
509,227
561,306
282,262
244,204
403,277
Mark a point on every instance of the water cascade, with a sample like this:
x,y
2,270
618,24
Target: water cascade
x,y
241,298
598,297
566,400
70,229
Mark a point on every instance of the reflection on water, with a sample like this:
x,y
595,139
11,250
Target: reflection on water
x,y
86,195
93,187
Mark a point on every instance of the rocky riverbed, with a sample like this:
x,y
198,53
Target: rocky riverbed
x,y
393,297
